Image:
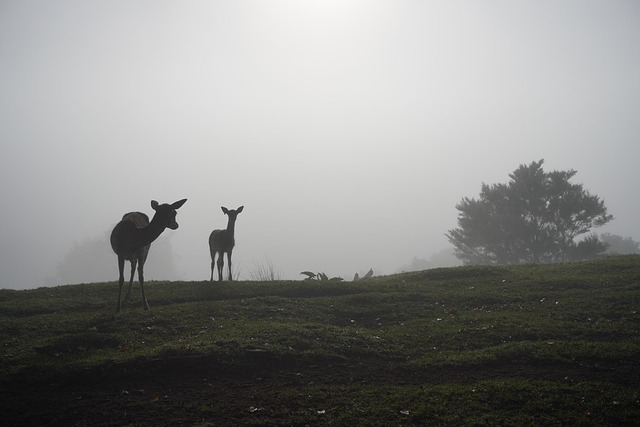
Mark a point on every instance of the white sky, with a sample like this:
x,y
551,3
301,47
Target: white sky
x,y
349,130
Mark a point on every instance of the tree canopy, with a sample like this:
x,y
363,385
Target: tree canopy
x,y
537,217
93,260
620,245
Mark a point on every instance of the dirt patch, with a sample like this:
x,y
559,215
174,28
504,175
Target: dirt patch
x,y
201,391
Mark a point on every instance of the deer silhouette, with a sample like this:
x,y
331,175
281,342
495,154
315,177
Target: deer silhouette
x,y
221,241
131,239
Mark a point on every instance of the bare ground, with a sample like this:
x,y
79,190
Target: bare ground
x,y
198,391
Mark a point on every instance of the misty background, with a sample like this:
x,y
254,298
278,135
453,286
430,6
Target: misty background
x,y
349,130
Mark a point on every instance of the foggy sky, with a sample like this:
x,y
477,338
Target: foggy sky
x,y
349,130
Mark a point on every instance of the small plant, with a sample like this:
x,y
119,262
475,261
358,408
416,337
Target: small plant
x,y
321,277
365,277
265,272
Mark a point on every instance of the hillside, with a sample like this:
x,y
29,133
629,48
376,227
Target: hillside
x,y
515,345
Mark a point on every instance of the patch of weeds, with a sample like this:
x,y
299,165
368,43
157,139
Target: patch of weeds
x,y
78,344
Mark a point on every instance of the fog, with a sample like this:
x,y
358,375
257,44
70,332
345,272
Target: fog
x,y
349,130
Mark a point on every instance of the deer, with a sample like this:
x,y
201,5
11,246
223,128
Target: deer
x,y
131,239
223,241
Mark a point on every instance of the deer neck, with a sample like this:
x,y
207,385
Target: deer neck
x,y
231,225
152,231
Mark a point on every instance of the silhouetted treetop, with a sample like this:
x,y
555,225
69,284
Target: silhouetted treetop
x,y
537,217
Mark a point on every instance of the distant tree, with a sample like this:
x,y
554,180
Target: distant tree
x,y
443,258
93,260
619,245
537,217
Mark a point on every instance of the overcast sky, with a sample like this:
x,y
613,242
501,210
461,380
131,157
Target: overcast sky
x,y
349,130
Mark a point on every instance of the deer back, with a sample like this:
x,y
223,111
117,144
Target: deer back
x,y
221,240
126,239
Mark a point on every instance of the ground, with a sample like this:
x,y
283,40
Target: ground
x,y
197,391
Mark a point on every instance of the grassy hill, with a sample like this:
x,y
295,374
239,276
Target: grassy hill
x,y
513,345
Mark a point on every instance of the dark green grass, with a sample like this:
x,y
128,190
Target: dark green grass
x,y
513,345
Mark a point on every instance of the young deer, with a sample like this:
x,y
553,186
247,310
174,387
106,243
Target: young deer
x,y
131,239
221,241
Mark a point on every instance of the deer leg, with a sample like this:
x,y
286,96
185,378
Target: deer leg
x,y
133,270
220,265
229,259
213,264
120,283
141,278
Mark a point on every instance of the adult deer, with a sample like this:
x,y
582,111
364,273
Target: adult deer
x,y
131,239
221,241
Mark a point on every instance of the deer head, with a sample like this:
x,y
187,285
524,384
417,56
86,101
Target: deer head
x,y
166,214
232,213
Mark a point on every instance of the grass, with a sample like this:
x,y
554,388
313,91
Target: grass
x,y
512,345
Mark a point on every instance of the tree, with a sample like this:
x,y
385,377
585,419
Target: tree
x,y
93,260
537,217
619,245
443,258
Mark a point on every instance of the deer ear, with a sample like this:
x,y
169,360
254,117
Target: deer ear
x,y
178,204
154,205
225,210
240,209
